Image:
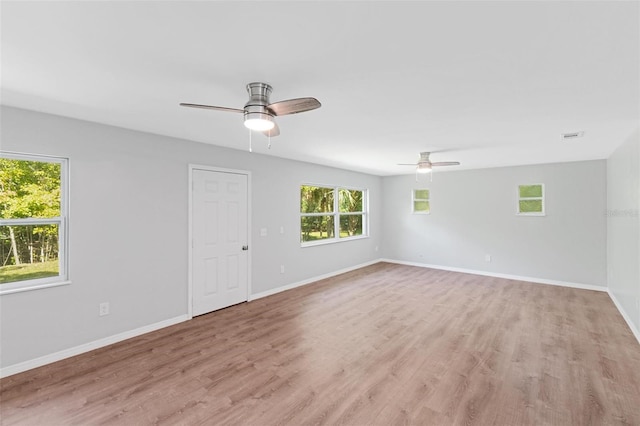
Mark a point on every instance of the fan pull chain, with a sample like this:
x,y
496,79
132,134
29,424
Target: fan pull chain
x,y
430,176
269,144
250,147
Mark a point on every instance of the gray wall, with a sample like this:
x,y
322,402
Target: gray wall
x,y
623,226
129,213
129,224
473,214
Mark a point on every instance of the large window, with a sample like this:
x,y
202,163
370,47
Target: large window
x,y
330,214
33,209
531,200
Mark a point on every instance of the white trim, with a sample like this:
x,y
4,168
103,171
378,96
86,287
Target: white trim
x,y
36,286
31,221
96,344
414,199
336,215
617,304
499,275
62,221
324,242
247,173
190,245
626,317
77,350
310,280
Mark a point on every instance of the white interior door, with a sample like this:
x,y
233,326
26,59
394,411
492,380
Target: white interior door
x,y
219,247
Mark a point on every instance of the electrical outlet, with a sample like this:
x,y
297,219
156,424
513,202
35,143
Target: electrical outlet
x,y
104,309
487,258
282,269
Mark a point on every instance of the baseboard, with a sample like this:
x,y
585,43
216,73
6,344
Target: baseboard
x,y
499,275
310,280
626,317
77,350
57,356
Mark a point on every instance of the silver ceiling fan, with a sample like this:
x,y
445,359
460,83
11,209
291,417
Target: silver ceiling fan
x,y
424,165
259,111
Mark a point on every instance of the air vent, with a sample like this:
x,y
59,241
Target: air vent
x,y
572,135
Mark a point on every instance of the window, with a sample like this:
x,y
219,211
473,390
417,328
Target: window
x,y
420,201
331,214
33,208
531,200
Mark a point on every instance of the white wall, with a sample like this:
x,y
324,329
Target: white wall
x,y
473,214
623,227
128,230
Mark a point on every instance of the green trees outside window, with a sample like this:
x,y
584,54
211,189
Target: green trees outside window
x,y
531,200
351,212
31,218
329,211
421,203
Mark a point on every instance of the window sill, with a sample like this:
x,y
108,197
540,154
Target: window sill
x,y
332,241
4,291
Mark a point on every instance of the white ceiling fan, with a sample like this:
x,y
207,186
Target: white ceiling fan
x,y
259,111
424,164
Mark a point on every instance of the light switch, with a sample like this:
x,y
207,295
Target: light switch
x,y
263,232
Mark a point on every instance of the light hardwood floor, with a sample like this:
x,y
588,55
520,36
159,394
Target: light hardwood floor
x,y
383,345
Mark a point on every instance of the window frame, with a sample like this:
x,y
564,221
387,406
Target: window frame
x,y
61,221
541,198
336,215
414,199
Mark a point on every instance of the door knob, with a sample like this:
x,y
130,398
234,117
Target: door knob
x,y
245,247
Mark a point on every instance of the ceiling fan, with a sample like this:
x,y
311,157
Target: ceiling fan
x,y
259,111
424,165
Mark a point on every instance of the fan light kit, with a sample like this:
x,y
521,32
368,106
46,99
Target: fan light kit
x,y
259,111
424,165
423,168
258,121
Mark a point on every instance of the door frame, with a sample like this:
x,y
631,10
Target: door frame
x,y
247,173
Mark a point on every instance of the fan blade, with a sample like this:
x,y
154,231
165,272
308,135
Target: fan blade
x,y
407,164
294,106
217,108
273,132
446,163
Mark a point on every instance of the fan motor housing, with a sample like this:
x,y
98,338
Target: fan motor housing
x,y
258,94
256,107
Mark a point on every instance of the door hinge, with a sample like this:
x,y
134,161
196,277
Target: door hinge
x,y
245,247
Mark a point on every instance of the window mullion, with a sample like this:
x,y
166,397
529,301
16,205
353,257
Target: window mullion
x,y
336,210
31,221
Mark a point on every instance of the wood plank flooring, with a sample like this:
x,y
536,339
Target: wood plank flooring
x,y
383,345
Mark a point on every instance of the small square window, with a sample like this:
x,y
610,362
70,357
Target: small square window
x,y
420,201
531,200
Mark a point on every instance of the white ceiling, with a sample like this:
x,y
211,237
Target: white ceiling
x,y
484,83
